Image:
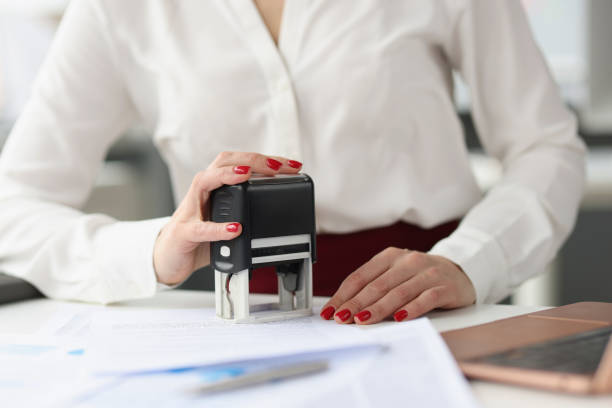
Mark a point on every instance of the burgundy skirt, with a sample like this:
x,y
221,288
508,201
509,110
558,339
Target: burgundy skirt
x,y
340,254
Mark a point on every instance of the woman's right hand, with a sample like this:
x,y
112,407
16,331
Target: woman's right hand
x,y
183,245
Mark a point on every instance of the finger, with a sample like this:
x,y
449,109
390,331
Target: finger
x,y
288,166
430,299
378,288
393,299
208,231
357,280
206,181
267,165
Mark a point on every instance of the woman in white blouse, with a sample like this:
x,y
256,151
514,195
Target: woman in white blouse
x,y
360,92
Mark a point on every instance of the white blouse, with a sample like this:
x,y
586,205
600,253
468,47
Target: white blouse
x,y
360,91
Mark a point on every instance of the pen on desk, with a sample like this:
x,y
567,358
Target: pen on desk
x,y
267,375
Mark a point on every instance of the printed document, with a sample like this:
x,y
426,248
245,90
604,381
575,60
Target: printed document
x,y
129,341
416,367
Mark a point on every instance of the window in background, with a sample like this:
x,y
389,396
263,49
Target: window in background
x,y
133,183
559,27
559,30
26,33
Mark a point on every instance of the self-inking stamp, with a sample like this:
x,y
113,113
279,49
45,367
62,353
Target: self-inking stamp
x,y
278,229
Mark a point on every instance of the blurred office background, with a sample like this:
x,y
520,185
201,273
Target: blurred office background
x,y
575,36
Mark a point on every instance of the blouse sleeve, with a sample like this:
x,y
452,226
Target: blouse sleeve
x,y
521,223
49,164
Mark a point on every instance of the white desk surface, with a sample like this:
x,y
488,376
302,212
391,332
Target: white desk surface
x,y
26,317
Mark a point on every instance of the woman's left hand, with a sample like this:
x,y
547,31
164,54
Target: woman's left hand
x,y
400,283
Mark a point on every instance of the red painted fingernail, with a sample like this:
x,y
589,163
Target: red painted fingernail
x,y
242,169
273,164
328,312
233,227
344,314
294,163
363,315
400,315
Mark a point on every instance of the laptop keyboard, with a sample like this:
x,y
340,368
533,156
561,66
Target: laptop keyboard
x,y
578,354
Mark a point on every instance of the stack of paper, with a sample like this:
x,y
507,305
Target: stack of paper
x,y
42,372
158,357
